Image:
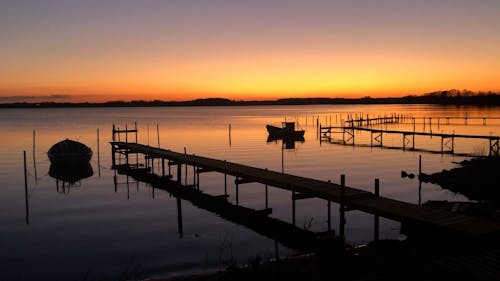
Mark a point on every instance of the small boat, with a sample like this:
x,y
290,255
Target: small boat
x,y
69,152
287,131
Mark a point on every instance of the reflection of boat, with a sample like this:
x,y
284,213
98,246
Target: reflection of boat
x,y
70,173
288,141
286,131
69,152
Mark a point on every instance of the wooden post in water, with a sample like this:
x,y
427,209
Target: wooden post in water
x,y
98,154
342,207
158,134
229,134
162,167
26,189
376,218
34,157
186,170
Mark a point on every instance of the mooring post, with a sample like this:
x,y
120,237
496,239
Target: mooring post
x,y
98,155
34,156
376,218
342,207
186,171
113,153
126,134
158,134
194,175
162,167
229,134
26,188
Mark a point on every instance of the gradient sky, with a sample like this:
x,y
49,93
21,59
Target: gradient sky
x,y
182,49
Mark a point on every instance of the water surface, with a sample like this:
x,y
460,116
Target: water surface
x,y
95,229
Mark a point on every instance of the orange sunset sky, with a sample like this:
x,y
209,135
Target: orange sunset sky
x,y
73,50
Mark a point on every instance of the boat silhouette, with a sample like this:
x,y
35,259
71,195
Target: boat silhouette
x,y
70,153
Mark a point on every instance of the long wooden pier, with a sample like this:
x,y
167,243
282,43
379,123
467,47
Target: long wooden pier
x,y
429,221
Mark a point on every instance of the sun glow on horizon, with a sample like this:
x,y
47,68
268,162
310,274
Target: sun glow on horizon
x,y
245,51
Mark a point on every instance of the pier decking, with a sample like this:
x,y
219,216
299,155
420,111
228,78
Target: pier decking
x,y
429,220
408,138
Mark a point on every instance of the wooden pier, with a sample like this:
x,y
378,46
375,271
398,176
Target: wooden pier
x,y
429,221
408,138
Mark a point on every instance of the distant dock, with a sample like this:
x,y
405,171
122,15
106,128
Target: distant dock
x,y
346,134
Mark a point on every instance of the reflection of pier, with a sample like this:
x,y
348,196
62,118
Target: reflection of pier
x,y
257,220
428,221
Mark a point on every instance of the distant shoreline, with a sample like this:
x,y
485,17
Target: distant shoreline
x,y
449,97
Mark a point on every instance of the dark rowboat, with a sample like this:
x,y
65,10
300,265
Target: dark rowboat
x,y
69,152
287,131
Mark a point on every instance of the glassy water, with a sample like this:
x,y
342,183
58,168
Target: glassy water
x,y
96,229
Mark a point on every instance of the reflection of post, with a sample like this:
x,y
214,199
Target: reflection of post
x,y
26,189
329,214
276,254
128,189
115,182
342,207
293,207
179,217
419,180
376,219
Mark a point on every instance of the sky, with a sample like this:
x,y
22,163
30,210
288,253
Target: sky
x,y
97,50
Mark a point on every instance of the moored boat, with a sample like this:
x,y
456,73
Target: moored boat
x,y
287,131
69,152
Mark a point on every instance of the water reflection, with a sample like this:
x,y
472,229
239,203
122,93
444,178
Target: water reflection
x,y
288,142
69,175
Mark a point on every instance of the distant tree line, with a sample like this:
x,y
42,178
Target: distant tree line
x,y
447,97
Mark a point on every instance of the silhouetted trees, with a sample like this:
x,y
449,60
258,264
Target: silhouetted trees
x,y
446,97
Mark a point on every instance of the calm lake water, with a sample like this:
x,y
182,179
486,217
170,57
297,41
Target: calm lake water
x,y
96,230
